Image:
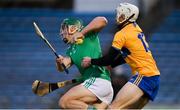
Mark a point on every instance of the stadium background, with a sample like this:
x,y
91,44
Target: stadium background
x,y
24,57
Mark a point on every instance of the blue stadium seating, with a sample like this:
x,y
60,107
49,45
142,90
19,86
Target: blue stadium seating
x,y
165,43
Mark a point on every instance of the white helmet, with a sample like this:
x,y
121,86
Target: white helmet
x,y
127,11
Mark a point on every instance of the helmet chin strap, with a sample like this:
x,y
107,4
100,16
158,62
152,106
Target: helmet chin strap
x,y
122,25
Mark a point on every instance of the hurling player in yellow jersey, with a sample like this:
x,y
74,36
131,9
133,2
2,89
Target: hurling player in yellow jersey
x,y
129,46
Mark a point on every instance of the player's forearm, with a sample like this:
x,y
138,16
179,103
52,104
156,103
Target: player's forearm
x,y
109,59
95,25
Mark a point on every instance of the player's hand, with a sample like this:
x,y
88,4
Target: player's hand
x,y
60,59
86,62
77,37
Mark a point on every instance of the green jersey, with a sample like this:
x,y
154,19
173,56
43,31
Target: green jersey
x,y
89,48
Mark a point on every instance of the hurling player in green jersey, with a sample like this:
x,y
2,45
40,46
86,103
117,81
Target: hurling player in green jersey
x,y
95,90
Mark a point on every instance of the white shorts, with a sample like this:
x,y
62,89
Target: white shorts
x,y
101,88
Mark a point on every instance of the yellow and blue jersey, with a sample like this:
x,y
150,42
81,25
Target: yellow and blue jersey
x,y
140,59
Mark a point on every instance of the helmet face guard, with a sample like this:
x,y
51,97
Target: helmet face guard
x,y
68,27
64,33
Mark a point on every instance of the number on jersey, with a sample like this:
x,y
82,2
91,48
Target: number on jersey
x,y
145,44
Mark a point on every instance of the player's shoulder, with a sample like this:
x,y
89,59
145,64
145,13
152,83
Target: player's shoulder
x,y
134,26
131,29
119,33
91,35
